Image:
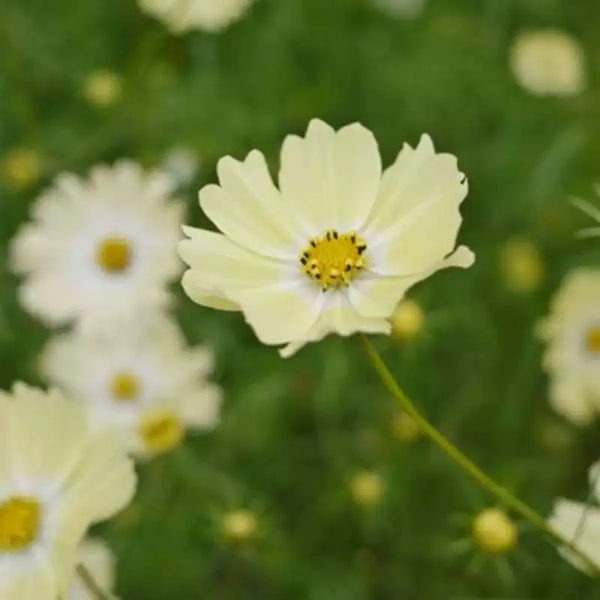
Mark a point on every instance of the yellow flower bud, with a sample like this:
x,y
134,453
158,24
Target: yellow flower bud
x,y
494,532
405,428
22,167
239,525
366,488
408,320
522,266
102,88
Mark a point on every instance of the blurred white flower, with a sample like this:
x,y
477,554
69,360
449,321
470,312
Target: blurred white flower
x,y
99,248
548,63
334,250
580,523
184,15
401,9
182,165
592,211
141,379
572,357
56,479
99,560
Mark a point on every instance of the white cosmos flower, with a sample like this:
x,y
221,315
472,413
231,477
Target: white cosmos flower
x,y
548,63
99,560
572,357
56,478
336,246
183,15
141,379
99,248
580,523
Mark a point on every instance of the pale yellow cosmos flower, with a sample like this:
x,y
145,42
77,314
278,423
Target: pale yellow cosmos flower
x,y
336,247
99,560
184,15
572,357
57,477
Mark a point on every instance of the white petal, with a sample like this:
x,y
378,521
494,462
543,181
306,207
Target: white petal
x,y
248,208
569,398
338,316
415,220
200,408
330,179
374,296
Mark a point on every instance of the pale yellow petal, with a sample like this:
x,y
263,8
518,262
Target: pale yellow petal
x,y
330,178
248,208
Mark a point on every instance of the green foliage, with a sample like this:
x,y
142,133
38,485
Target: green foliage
x,y
294,432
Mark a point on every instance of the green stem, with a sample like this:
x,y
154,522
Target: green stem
x,y
467,465
88,579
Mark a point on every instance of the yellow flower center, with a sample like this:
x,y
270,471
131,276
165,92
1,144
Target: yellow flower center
x,y
494,532
161,432
333,260
125,387
19,523
114,255
593,340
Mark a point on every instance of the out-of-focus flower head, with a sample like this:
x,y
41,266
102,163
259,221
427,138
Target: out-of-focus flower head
x,y
22,167
408,320
57,477
239,525
548,63
102,87
521,265
100,248
494,532
401,9
184,15
572,357
367,488
336,247
405,428
139,378
99,560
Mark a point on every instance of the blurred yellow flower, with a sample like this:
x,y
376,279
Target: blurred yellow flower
x,y
494,532
139,378
56,479
99,560
100,248
239,525
521,265
102,88
367,488
184,15
572,357
22,167
336,247
548,63
408,320
405,428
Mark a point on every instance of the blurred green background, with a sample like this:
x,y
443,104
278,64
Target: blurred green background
x,y
294,433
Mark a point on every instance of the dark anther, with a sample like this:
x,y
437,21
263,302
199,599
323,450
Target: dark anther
x,y
335,234
361,248
303,260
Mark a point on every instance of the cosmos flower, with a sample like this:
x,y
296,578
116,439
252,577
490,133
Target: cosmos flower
x,y
56,479
572,357
548,63
580,523
333,249
141,379
99,560
99,248
183,15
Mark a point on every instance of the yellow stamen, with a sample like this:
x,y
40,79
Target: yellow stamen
x,y
161,432
125,387
114,255
333,260
19,523
593,340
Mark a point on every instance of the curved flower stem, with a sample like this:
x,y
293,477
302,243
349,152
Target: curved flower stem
x,y
466,464
90,583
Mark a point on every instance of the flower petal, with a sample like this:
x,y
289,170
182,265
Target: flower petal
x,y
415,220
338,316
330,179
248,208
376,297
